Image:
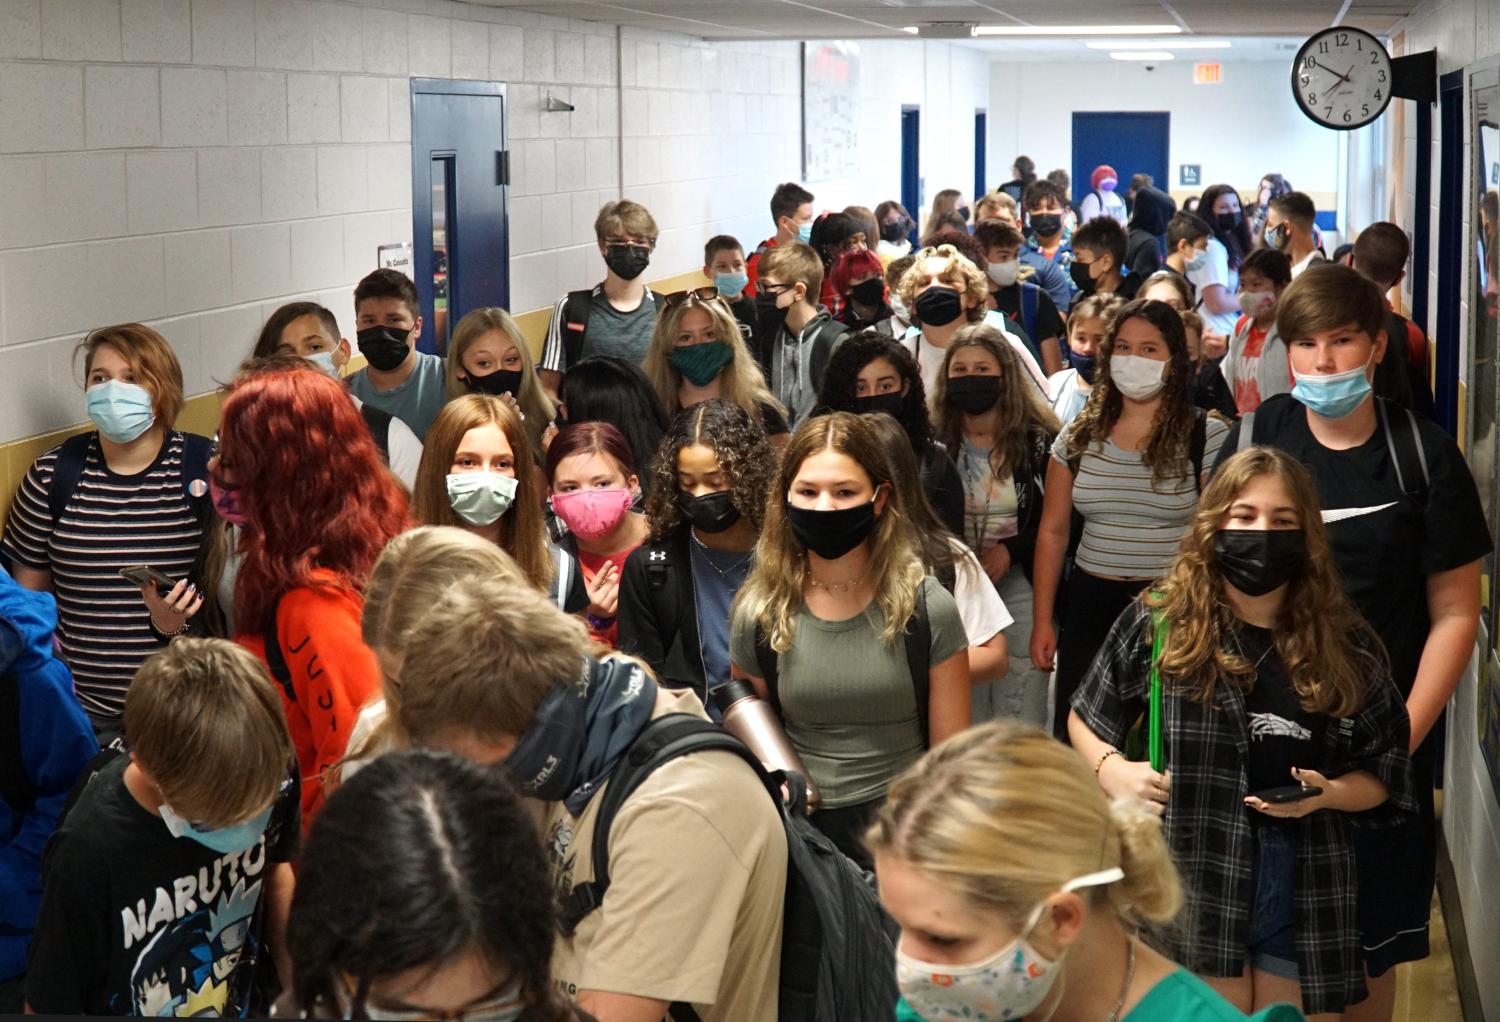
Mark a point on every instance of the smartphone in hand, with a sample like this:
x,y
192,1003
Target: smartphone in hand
x,y
1287,793
141,574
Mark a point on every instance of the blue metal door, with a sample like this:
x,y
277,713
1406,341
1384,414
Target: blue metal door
x,y
1131,142
981,132
460,179
911,171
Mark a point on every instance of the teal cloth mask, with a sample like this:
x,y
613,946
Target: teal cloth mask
x,y
731,285
122,411
224,840
1334,396
804,233
701,363
480,498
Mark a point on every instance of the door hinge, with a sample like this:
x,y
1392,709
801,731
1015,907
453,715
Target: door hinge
x,y
502,167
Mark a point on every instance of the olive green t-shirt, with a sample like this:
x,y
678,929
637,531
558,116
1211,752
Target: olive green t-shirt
x,y
847,698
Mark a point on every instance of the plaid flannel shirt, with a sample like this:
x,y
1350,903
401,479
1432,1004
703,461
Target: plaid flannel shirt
x,y
1207,825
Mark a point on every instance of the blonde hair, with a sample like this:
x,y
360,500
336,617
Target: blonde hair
x,y
536,406
772,595
202,710
794,263
1005,815
523,535
1019,415
482,660
993,201
624,217
1096,306
152,361
956,270
741,380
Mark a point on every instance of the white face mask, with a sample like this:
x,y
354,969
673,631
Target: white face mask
x,y
1196,261
899,308
324,361
1257,303
1006,273
1010,984
1137,377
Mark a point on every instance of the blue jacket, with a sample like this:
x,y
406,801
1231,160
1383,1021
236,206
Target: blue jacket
x,y
1050,277
57,742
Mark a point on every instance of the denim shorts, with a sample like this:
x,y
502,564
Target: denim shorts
x,y
1273,916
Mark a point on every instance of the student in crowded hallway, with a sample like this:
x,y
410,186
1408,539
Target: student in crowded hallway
x,y
614,317
1291,220
1171,288
1269,678
318,507
173,869
1020,892
1131,464
792,215
1149,217
476,475
802,335
1255,367
615,391
1046,239
901,317
946,558
896,225
697,854
1380,254
859,279
1102,201
820,626
1187,247
397,378
865,217
1088,325
949,200
1218,280
1024,176
375,929
1408,535
131,492
1016,292
724,264
1210,392
833,235
994,206
487,354
707,508
1271,186
49,743
308,330
1099,260
697,355
592,475
1063,180
872,373
1000,431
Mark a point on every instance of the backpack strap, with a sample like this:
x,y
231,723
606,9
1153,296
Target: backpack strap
x,y
825,341
1154,746
575,313
67,469
379,422
918,639
1029,303
1405,445
275,659
769,662
1247,432
196,450
565,564
16,786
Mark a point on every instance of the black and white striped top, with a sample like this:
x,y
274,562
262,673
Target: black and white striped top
x,y
110,522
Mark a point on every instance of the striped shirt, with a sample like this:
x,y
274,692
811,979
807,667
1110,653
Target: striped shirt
x,y
110,522
1131,525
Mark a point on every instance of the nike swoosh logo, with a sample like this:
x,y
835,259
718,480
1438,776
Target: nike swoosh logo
x,y
1342,513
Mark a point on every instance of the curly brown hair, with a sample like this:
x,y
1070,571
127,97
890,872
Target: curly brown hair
x,y
745,456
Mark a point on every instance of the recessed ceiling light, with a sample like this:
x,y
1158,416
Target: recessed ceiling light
x,y
1067,30
1160,44
1141,55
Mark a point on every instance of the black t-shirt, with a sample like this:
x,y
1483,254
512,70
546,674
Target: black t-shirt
x,y
135,921
1282,733
1048,322
1385,543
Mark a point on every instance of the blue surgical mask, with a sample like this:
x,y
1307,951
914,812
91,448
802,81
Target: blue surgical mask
x,y
1197,260
731,285
122,411
480,498
804,233
224,840
1333,396
324,361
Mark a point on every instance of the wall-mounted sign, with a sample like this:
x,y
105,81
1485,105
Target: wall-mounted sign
x,y
1207,74
1190,174
395,257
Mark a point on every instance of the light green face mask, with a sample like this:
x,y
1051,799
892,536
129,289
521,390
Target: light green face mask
x,y
480,498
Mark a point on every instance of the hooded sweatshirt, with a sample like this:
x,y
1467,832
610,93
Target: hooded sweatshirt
x,y
1148,224
56,743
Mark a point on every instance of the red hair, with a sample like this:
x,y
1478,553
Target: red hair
x,y
590,438
321,503
859,262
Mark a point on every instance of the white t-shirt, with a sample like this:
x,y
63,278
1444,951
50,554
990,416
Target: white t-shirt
x,y
983,613
1216,271
403,449
1112,206
930,356
1067,400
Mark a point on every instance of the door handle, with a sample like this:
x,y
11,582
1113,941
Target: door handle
x,y
502,166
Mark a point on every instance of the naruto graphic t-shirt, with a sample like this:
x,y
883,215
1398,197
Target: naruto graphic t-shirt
x,y
137,922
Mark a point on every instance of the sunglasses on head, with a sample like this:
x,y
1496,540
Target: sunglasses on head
x,y
692,296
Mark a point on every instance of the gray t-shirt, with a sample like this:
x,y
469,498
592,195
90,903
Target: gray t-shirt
x,y
609,331
415,402
847,697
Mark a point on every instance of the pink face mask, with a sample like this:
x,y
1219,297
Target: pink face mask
x,y
226,503
590,514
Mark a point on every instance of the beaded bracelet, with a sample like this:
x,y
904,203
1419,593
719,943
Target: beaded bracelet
x,y
1100,763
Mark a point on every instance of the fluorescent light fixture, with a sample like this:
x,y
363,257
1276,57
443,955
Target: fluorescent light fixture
x,y
1068,30
1160,44
911,30
1140,55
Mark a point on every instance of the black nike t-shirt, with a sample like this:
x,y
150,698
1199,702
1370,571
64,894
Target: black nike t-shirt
x,y
1386,544
1282,733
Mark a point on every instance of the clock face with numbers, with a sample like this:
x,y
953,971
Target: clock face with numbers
x,y
1342,78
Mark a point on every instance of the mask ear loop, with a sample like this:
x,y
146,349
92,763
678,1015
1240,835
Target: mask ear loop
x,y
1095,879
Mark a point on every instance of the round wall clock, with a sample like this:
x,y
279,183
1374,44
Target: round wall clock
x,y
1342,78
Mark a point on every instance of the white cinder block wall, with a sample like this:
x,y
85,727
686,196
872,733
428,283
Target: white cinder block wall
x,y
195,163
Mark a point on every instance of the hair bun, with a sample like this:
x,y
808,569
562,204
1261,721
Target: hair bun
x,y
1151,889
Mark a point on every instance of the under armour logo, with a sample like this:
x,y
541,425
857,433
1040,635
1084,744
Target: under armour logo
x,y
657,555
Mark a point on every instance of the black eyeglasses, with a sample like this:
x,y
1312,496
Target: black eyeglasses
x,y
692,296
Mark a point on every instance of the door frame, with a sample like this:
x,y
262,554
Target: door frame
x,y
911,167
1079,180
981,144
1452,246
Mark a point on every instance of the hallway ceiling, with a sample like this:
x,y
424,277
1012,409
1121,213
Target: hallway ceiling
x,y
854,19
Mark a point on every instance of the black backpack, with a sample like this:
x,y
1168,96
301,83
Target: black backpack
x,y
68,469
837,944
379,422
575,324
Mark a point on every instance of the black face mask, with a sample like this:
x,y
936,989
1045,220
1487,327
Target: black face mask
x,y
768,316
939,306
1046,225
831,534
963,211
496,382
891,404
627,261
1258,561
1080,274
384,347
710,513
893,231
973,395
1228,222
869,293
